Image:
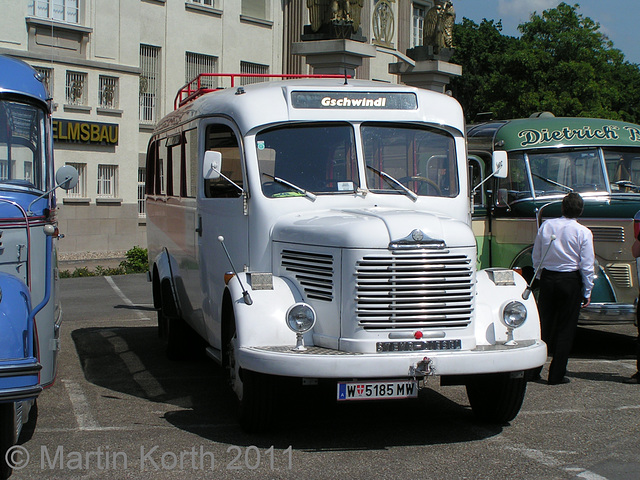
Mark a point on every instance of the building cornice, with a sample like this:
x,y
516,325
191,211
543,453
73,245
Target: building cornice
x,y
78,62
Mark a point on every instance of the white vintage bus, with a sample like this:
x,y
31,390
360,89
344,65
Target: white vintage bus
x,y
318,231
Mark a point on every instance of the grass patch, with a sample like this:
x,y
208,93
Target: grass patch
x,y
136,261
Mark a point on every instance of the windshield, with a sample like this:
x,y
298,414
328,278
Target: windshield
x,y
623,168
297,159
22,145
555,172
421,160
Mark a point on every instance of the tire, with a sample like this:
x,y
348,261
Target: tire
x,y
255,392
177,339
496,398
162,325
8,438
255,410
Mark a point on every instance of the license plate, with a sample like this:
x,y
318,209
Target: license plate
x,y
379,390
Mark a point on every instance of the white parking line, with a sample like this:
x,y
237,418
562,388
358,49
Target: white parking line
x,y
124,298
149,384
80,406
550,461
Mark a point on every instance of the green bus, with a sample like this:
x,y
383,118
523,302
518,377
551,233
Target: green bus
x,y
547,158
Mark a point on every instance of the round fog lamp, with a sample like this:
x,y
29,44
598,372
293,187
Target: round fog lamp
x,y
301,317
514,314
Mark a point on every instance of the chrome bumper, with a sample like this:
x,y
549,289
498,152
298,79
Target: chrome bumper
x,y
605,313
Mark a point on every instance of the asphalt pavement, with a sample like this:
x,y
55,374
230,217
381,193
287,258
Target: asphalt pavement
x,y
119,409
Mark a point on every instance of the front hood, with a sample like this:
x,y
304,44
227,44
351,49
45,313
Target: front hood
x,y
371,228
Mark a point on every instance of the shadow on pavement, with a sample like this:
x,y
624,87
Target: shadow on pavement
x,y
132,361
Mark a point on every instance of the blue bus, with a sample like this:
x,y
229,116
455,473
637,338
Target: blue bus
x,y
30,314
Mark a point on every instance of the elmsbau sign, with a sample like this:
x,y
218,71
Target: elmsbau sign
x,y
94,133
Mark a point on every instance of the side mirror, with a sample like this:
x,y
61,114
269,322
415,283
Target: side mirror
x,y
66,177
500,164
211,165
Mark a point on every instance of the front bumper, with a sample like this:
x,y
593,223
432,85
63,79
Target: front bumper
x,y
317,362
606,313
19,380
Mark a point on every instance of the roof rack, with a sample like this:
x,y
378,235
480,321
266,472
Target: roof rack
x,y
197,87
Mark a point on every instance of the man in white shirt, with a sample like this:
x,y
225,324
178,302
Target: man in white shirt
x,y
635,378
566,280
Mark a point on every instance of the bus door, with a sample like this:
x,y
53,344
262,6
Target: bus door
x,y
221,212
479,215
513,223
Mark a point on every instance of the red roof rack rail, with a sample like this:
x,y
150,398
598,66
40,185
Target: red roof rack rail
x,y
194,89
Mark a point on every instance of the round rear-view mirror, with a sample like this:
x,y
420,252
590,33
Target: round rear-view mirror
x,y
66,177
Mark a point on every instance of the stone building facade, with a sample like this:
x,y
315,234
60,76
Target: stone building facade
x,y
113,68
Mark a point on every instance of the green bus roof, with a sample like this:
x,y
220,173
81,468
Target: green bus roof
x,y
549,132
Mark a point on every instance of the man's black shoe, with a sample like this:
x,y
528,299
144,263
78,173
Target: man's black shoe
x,y
559,382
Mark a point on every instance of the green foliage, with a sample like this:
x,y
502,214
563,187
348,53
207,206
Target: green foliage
x,y
137,260
108,271
78,272
562,63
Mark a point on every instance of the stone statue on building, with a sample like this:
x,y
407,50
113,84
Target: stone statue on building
x,y
340,17
438,26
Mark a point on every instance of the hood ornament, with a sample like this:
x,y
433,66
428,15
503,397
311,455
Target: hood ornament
x,y
417,239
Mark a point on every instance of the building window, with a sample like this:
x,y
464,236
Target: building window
x,y
80,190
417,28
107,180
197,63
255,8
255,69
149,83
142,178
208,3
108,92
76,88
61,10
47,78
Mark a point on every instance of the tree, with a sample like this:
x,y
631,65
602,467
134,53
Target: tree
x,y
562,63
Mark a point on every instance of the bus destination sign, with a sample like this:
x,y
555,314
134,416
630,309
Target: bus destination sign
x,y
354,100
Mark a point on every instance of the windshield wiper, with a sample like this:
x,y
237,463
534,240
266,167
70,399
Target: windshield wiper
x,y
301,190
393,182
548,180
627,184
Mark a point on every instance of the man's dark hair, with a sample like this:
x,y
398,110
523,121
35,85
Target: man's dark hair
x,y
572,205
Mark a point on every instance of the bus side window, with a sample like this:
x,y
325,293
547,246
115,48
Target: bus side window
x,y
477,176
191,163
152,156
221,138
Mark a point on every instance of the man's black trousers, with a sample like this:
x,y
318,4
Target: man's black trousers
x,y
559,304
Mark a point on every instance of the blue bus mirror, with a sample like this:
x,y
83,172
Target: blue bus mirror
x,y
211,165
66,177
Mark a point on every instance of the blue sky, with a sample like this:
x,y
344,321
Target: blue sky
x,y
618,19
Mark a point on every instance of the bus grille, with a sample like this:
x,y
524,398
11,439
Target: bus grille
x,y
314,272
607,234
620,273
422,289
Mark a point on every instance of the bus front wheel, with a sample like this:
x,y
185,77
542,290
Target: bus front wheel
x,y
254,391
8,428
496,398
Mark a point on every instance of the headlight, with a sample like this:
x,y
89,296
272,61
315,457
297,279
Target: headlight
x,y
301,317
514,314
